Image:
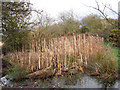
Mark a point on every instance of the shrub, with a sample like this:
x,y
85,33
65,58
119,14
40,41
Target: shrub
x,y
104,63
18,72
84,29
114,36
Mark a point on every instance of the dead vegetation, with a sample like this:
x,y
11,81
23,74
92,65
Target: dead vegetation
x,y
61,53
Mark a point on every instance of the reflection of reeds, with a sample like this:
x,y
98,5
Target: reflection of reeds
x,y
58,51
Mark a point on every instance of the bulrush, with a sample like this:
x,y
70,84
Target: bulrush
x,y
58,53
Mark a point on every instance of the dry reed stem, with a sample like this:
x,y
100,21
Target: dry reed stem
x,y
39,61
58,51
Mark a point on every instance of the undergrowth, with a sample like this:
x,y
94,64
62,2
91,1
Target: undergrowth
x,y
116,51
105,63
18,72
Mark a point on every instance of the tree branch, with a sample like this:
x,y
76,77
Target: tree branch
x,y
102,11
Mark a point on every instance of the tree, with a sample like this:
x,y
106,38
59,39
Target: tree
x,y
84,29
105,16
44,20
114,36
15,24
102,12
93,22
68,22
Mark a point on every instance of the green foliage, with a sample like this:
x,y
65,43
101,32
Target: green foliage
x,y
84,29
116,51
97,25
5,59
93,22
17,72
68,22
15,24
114,36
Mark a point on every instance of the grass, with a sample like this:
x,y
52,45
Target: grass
x,y
116,51
105,63
17,72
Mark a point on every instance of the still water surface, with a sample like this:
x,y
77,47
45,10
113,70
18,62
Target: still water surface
x,y
79,81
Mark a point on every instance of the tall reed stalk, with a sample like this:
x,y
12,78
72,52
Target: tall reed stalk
x,y
60,52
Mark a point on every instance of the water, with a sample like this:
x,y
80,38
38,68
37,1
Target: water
x,y
79,81
5,81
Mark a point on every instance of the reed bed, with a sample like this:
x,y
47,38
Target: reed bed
x,y
61,53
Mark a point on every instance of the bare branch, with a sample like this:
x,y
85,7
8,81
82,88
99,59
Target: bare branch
x,y
102,12
104,8
97,4
112,10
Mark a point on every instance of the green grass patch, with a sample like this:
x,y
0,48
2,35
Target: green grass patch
x,y
116,51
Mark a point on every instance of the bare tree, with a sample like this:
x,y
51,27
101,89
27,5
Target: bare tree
x,y
102,11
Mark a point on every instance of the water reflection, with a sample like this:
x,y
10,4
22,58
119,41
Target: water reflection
x,y
89,82
79,81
